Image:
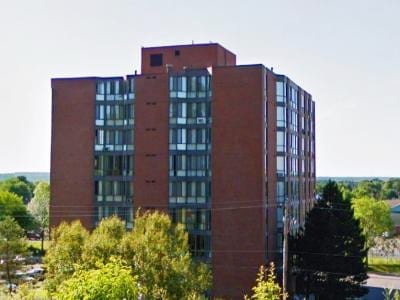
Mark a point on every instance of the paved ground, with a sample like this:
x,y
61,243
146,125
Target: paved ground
x,y
377,284
383,281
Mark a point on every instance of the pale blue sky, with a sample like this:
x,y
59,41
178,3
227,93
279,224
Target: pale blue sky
x,y
345,53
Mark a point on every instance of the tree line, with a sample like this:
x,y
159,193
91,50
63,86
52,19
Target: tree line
x,y
367,198
153,261
375,188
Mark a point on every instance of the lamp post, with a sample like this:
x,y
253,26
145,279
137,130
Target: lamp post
x,y
285,248
7,262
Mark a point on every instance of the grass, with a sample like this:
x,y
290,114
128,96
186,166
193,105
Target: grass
x,y
384,265
26,291
38,244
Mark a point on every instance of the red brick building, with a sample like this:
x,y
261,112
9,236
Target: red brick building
x,y
220,147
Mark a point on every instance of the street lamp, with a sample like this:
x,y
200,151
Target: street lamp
x,y
285,246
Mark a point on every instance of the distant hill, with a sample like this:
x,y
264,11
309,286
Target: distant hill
x,y
31,176
352,179
45,176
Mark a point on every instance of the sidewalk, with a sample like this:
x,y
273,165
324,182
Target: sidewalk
x,y
377,283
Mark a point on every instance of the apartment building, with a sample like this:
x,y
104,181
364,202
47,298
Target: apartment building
x,y
225,149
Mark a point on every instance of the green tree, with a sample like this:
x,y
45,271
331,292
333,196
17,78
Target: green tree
x,y
12,243
346,191
13,206
391,188
374,217
64,254
266,287
29,291
369,188
19,186
330,254
39,208
109,281
104,242
319,187
30,184
158,252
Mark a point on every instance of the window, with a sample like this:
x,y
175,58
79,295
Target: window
x,y
108,87
192,110
279,241
109,134
131,85
113,190
110,114
100,88
189,165
118,137
130,113
188,192
199,245
280,91
98,189
280,191
114,139
280,141
99,136
280,88
128,138
172,86
280,116
279,216
182,86
202,86
293,119
293,97
189,86
119,114
281,165
117,89
192,87
294,167
156,60
198,219
99,114
181,136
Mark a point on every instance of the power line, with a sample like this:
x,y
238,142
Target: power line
x,y
192,205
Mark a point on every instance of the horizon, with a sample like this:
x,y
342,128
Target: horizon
x,y
318,177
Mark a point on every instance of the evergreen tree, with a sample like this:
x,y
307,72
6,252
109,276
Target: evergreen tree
x,y
329,256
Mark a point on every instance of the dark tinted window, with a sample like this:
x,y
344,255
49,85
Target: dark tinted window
x,y
156,60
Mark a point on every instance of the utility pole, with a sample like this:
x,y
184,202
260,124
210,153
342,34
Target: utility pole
x,y
285,248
